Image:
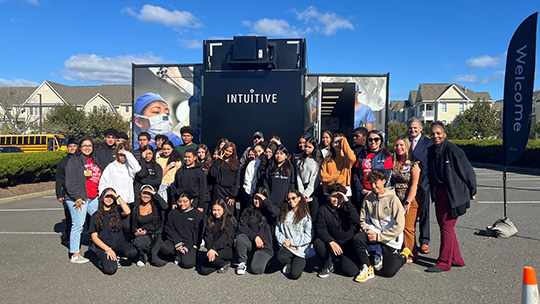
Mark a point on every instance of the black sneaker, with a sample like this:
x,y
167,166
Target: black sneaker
x,y
326,271
223,269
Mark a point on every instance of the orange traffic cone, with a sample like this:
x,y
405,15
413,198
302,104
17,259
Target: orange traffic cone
x,y
530,288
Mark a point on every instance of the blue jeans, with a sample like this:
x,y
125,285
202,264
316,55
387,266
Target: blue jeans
x,y
374,250
77,221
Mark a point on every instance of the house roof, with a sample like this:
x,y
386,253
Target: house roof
x,y
412,95
80,95
396,105
536,96
10,96
432,91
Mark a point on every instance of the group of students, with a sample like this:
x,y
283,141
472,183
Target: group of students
x,y
161,203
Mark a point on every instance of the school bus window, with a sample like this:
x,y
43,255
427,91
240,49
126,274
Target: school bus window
x,y
43,141
25,140
19,140
2,140
32,139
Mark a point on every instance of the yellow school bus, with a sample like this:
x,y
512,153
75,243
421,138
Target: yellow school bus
x,y
35,142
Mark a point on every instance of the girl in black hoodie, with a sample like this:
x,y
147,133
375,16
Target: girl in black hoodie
x,y
255,235
280,177
183,230
218,238
225,174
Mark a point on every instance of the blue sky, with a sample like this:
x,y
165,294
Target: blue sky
x,y
83,42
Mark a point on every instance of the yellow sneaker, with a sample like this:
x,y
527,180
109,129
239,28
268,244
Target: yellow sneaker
x,y
405,252
365,274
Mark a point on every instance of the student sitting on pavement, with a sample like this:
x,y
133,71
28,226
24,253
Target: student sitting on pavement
x,y
335,227
382,220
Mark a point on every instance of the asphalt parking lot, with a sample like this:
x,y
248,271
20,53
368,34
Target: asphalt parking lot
x,y
35,266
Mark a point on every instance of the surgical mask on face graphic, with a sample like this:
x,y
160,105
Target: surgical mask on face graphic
x,y
160,124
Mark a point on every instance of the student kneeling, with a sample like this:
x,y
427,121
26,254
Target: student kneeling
x,y
335,227
183,231
106,232
218,238
382,220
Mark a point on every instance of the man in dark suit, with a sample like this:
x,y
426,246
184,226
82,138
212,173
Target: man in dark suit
x,y
419,146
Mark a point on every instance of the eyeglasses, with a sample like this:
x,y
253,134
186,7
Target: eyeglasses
x,y
291,198
375,139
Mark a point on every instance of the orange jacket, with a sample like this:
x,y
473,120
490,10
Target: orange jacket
x,y
338,170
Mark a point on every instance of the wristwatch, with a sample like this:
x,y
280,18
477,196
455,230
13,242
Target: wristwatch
x,y
407,203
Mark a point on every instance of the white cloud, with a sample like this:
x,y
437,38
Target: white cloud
x,y
17,83
471,78
273,27
33,2
157,14
94,68
486,61
191,44
327,23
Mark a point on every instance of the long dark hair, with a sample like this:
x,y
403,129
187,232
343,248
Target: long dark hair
x,y
148,147
114,214
332,155
265,162
92,155
226,218
155,212
316,154
301,212
297,150
330,133
207,161
252,211
233,159
175,155
286,168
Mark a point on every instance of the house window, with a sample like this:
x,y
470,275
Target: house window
x,y
444,121
94,109
126,109
444,108
461,107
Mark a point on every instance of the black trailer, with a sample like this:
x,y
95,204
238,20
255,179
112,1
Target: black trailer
x,y
252,83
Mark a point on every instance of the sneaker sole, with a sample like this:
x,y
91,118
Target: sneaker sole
x,y
323,276
363,280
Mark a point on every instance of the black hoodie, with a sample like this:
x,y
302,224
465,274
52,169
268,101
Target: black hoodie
x,y
193,180
254,223
336,224
185,227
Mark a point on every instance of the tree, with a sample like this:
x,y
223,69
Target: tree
x,y
12,116
66,120
535,131
395,130
479,122
102,119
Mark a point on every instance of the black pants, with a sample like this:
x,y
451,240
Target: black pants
x,y
123,248
260,258
349,262
126,223
285,256
188,260
392,259
224,257
424,221
67,214
148,246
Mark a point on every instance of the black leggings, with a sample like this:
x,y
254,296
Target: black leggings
x,y
285,256
224,256
148,246
392,259
348,260
123,248
188,260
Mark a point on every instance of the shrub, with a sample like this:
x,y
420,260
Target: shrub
x,y
24,168
491,151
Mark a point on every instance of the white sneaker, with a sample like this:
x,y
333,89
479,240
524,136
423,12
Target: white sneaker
x,y
118,262
286,269
79,259
241,269
365,274
141,264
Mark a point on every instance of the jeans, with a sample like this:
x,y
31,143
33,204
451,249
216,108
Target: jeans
x,y
77,221
260,258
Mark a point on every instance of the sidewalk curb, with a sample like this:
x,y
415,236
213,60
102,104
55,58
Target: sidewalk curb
x,y
25,196
523,170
